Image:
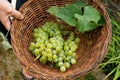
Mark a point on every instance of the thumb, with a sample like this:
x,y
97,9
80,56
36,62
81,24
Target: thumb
x,y
6,22
17,14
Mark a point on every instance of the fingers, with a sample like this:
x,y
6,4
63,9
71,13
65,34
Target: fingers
x,y
7,10
17,14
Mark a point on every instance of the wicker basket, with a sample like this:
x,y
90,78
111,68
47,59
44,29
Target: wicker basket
x,y
92,48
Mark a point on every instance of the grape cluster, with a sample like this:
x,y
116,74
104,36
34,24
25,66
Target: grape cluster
x,y
50,46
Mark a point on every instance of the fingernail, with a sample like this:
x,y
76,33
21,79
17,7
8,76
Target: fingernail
x,y
21,17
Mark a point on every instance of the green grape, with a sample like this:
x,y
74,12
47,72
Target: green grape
x,y
46,42
73,49
32,44
62,68
58,49
66,48
58,33
62,55
35,35
36,30
37,45
49,45
69,53
42,47
77,40
50,59
48,50
60,59
65,33
43,59
49,55
52,40
54,52
54,56
72,43
44,37
44,28
52,33
31,48
67,59
36,51
54,45
55,60
65,43
44,53
67,64
73,61
38,40
74,55
71,38
60,64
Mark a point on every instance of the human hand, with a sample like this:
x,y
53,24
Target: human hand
x,y
7,10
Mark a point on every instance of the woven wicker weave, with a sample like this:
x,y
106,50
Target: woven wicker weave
x,y
92,48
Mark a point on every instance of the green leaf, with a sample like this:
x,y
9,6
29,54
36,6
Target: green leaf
x,y
87,21
67,14
53,10
102,21
80,3
5,44
83,24
79,15
91,14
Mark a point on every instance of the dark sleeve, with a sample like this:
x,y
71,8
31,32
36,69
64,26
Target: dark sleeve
x,y
19,3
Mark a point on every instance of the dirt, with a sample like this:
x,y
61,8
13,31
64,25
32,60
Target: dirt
x,y
9,66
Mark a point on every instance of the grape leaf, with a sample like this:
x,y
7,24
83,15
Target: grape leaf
x,y
80,3
83,24
53,10
79,15
91,14
87,21
66,13
5,44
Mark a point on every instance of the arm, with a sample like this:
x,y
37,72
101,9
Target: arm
x,y
7,10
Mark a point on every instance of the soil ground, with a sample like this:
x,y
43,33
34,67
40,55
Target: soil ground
x,y
9,66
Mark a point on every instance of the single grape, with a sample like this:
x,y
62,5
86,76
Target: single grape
x,y
66,48
43,59
49,45
73,54
54,56
32,44
31,48
36,51
73,61
60,64
36,30
37,45
60,59
50,59
67,64
77,40
62,68
49,55
69,53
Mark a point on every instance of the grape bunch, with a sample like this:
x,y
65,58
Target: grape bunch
x,y
50,46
